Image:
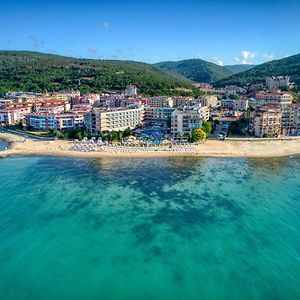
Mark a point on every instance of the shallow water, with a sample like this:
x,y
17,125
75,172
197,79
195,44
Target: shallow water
x,y
155,228
3,145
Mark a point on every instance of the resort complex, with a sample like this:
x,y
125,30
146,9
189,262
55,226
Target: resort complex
x,y
262,111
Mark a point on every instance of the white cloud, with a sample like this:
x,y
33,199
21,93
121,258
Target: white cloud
x,y
216,60
199,56
268,56
245,57
105,25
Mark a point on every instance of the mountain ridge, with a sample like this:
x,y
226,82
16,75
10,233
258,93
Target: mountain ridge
x,y
280,67
197,69
239,68
36,71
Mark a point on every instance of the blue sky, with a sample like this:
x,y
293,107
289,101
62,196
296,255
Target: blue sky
x,y
224,32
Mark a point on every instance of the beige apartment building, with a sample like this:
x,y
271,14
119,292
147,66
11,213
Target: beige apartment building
x,y
185,119
209,101
291,119
100,120
267,121
160,101
237,105
296,119
181,101
273,98
64,96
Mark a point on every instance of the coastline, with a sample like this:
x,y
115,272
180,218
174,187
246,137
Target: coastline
x,y
211,148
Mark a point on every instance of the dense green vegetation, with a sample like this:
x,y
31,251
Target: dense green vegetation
x,y
207,127
116,135
238,68
239,127
197,70
197,135
18,126
286,66
38,72
81,133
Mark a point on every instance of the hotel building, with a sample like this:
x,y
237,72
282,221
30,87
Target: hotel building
x,y
238,105
267,121
209,101
273,98
275,82
100,120
291,119
181,101
48,121
158,115
11,116
64,96
160,101
131,90
185,119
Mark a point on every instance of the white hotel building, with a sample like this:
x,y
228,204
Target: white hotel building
x,y
100,120
46,121
185,119
11,116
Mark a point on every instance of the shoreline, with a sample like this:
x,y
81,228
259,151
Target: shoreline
x,y
211,148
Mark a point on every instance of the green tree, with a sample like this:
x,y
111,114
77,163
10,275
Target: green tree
x,y
235,128
198,135
127,132
59,134
234,97
120,135
79,136
207,127
104,136
113,136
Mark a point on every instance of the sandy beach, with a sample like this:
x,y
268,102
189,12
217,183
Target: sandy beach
x,y
211,148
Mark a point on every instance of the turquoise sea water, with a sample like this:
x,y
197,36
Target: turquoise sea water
x,y
159,228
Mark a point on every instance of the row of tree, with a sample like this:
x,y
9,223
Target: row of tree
x,y
80,134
